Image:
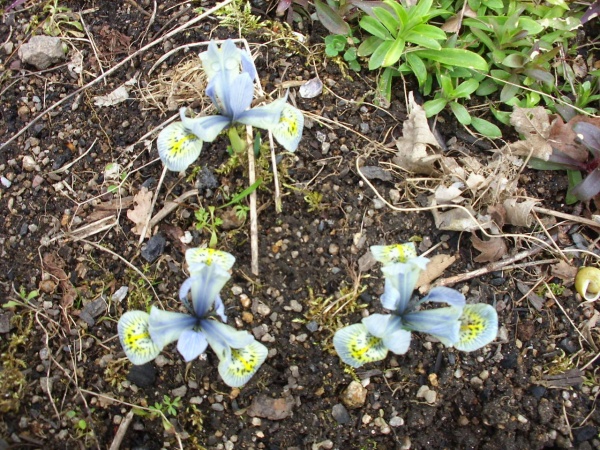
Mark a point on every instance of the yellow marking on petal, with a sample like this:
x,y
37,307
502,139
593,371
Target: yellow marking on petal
x,y
135,337
479,326
178,147
396,253
209,256
242,364
356,346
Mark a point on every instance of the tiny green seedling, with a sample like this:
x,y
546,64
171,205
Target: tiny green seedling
x,y
337,44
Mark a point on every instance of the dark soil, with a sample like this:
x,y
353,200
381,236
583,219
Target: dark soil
x,y
65,382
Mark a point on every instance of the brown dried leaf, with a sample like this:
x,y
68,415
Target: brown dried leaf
x,y
498,215
54,266
141,212
564,271
491,250
534,125
435,268
413,154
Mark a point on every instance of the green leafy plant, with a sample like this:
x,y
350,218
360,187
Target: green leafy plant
x,y
337,44
451,91
60,20
167,406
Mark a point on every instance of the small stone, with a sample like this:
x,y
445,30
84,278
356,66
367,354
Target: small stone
x,y
217,407
180,391
340,414
296,306
585,433
236,290
5,325
247,317
396,421
196,400
245,301
427,394
143,375
463,421
262,309
271,408
378,203
334,249
161,361
28,163
154,248
312,326
354,396
42,51
92,310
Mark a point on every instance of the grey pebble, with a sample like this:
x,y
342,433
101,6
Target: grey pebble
x,y
340,413
154,248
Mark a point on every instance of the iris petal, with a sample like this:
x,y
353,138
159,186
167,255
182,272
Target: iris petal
x,y
390,254
400,282
266,117
444,294
166,326
205,285
242,364
479,327
206,128
441,323
178,147
356,346
288,131
135,337
191,344
225,334
209,256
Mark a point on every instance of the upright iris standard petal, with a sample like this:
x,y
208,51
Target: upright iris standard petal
x,y
441,323
240,364
400,282
206,128
444,294
356,346
204,285
288,131
390,254
231,97
166,326
135,337
208,256
479,327
191,344
178,147
226,59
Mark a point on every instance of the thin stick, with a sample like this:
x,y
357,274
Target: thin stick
x,y
170,206
149,217
115,68
253,211
120,434
278,205
571,217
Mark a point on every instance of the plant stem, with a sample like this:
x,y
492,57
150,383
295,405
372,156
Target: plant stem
x,y
237,144
253,211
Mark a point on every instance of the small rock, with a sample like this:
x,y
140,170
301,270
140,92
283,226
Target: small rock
x,y
296,306
92,310
5,325
585,433
42,51
396,421
538,391
28,163
427,394
154,248
143,375
568,345
261,308
340,414
180,391
217,407
545,411
312,326
271,408
354,396
120,294
161,361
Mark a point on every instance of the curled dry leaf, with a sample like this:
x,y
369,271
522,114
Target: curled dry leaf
x,y
491,250
563,270
54,266
534,125
435,268
519,214
141,212
413,153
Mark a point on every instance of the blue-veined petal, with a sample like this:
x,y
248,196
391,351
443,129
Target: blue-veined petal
x,y
378,324
248,64
204,285
209,256
356,346
265,117
479,327
397,342
441,323
178,147
288,131
135,337
166,326
191,344
206,128
225,336
400,282
220,308
444,294
225,59
242,363
390,254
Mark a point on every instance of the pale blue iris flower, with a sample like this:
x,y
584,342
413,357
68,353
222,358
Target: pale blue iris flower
x,y
144,336
230,72
465,327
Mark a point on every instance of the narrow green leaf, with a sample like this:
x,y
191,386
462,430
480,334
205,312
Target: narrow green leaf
x,y
461,113
430,31
245,193
514,60
384,84
419,12
487,87
378,56
372,26
422,41
388,20
417,66
432,107
455,57
331,19
394,53
486,128
466,88
574,177
369,45
400,12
